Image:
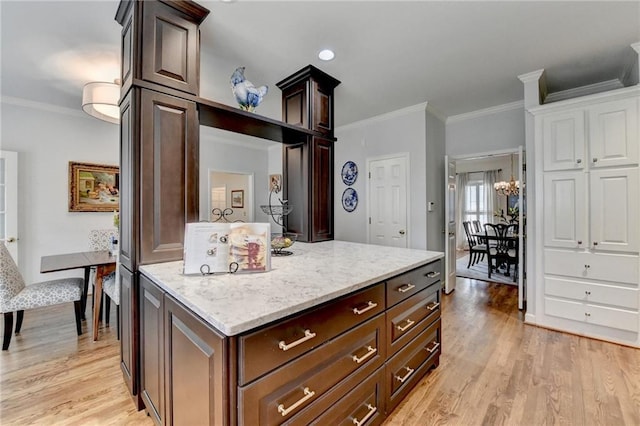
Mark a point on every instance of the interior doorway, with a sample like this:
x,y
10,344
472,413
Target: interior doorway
x,y
478,199
231,193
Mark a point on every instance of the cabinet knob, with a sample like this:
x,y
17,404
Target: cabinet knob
x,y
579,242
401,232
587,292
595,243
595,160
587,314
587,266
579,160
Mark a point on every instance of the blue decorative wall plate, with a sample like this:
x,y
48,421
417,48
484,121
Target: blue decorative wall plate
x,y
349,199
349,173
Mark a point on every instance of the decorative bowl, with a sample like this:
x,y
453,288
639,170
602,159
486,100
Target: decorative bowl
x,y
280,242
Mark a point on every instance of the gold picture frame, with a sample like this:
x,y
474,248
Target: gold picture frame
x,y
93,187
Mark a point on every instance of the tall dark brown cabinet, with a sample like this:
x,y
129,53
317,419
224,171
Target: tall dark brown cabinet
x,y
307,102
158,148
161,112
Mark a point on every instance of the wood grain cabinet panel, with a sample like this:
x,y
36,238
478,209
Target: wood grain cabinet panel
x,y
152,349
196,375
169,170
303,389
406,285
408,366
129,329
263,350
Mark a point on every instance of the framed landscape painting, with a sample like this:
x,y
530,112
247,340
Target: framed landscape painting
x,y
93,187
237,199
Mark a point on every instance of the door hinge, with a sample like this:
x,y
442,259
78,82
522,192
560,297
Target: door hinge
x,y
369,221
369,175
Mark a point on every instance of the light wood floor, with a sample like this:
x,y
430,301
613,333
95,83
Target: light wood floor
x,y
493,370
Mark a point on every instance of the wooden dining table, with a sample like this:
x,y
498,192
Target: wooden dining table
x,y
104,262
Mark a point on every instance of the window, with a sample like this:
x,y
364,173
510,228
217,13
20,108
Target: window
x,y
475,202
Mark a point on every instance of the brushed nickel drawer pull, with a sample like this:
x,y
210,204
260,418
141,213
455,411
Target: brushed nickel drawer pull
x,y
406,376
308,394
433,274
370,352
370,305
406,327
406,288
435,346
308,335
433,306
372,411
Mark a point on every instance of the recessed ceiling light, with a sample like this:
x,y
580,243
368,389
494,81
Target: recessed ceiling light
x,y
326,55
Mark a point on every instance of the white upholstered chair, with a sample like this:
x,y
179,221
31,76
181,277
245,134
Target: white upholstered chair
x,y
15,296
111,290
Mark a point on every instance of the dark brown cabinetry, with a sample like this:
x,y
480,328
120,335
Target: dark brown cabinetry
x,y
307,101
183,374
152,349
196,375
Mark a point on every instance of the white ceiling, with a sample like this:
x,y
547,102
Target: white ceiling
x,y
457,56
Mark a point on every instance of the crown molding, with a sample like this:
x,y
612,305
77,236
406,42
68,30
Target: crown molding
x,y
10,100
531,76
435,111
484,112
576,92
386,116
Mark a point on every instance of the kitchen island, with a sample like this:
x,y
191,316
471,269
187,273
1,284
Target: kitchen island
x,y
337,331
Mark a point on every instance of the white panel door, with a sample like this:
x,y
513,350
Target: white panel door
x,y
388,201
565,207
613,133
9,201
563,141
614,210
450,225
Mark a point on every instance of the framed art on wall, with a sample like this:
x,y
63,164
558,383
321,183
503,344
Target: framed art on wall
x,y
93,187
237,199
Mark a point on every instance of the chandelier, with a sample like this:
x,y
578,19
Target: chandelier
x,y
508,188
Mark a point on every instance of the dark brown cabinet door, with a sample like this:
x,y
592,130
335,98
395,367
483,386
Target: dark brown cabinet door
x,y
196,380
152,348
169,175
295,163
129,329
322,194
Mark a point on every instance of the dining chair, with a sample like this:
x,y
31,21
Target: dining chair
x,y
502,251
111,290
477,227
100,239
477,250
17,297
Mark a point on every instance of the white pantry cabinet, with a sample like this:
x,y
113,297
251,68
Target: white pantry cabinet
x,y
590,194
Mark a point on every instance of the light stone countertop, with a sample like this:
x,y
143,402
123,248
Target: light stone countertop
x,y
314,274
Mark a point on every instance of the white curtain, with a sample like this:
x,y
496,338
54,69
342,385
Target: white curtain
x,y
489,178
461,185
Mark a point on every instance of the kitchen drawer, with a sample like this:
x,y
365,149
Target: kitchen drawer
x,y
620,268
364,405
588,292
305,388
621,319
409,283
261,351
409,365
408,318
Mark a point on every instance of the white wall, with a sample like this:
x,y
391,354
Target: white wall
x,y
491,130
403,131
46,139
